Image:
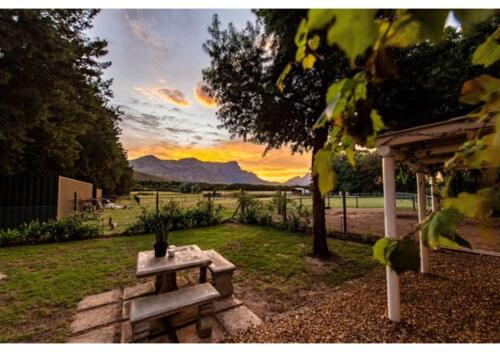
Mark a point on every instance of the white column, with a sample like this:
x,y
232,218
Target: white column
x,y
435,200
424,252
388,170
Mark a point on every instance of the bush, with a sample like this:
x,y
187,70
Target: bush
x,y
253,211
175,217
71,228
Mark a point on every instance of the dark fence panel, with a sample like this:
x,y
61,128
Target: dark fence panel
x,y
23,199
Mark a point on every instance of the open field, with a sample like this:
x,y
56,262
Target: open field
x,y
45,282
123,217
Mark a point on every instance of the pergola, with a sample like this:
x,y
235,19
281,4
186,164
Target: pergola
x,y
421,147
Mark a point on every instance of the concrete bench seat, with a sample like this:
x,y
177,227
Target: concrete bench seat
x,y
222,273
146,309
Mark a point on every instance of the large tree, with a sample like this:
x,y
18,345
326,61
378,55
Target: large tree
x,y
55,116
245,66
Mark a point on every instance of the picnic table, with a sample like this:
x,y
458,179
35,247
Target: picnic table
x,y
165,268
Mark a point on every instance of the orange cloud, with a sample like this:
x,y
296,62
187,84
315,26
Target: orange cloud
x,y
277,165
202,97
170,95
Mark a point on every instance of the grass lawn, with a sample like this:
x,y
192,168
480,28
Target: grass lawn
x,y
123,217
45,282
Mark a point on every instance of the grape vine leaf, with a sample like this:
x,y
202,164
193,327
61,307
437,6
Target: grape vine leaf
x,y
488,52
473,205
354,31
323,168
479,89
308,62
319,18
313,43
441,230
405,257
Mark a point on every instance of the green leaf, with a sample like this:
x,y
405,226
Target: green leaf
x,y
469,17
282,76
323,167
313,43
479,89
308,62
489,52
301,34
405,257
319,18
432,21
377,125
354,31
334,90
381,250
441,228
404,31
472,205
300,53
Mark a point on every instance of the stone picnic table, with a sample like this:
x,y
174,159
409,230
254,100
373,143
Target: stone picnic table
x,y
165,268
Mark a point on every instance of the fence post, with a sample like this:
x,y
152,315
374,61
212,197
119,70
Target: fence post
x,y
413,201
357,202
284,207
344,210
300,201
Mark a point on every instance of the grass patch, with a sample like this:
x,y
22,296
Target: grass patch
x,y
45,282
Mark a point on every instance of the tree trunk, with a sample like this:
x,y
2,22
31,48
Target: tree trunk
x,y
320,245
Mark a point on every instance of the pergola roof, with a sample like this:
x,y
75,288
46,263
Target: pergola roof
x,y
432,143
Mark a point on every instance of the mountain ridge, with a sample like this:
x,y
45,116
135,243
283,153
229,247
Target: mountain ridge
x,y
194,170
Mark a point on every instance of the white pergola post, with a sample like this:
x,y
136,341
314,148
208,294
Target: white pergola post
x,y
389,177
435,200
424,252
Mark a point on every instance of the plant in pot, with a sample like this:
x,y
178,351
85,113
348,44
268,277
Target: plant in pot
x,y
161,243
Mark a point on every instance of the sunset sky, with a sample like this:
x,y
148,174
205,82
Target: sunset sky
x,y
157,59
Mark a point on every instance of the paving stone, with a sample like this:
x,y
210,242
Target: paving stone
x,y
106,334
100,299
225,303
182,318
238,319
160,339
126,332
188,334
95,317
138,290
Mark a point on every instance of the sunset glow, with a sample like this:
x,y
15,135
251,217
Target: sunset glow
x,y
277,165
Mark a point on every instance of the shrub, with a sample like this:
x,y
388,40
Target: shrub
x,y
176,217
73,227
253,211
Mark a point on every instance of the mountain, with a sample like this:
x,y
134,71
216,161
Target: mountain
x,y
194,170
141,176
299,181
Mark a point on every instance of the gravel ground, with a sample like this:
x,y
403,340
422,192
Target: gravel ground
x,y
459,301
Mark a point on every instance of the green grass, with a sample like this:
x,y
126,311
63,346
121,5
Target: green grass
x,y
124,217
45,282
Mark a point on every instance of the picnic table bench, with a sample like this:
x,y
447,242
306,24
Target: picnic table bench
x,y
149,308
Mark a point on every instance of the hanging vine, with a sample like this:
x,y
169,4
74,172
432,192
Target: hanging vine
x,y
367,37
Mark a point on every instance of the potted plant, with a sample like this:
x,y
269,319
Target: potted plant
x,y
161,243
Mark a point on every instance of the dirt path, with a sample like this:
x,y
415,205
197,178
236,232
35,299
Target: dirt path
x,y
371,222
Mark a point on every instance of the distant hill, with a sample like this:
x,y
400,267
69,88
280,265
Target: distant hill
x,y
141,176
299,180
194,170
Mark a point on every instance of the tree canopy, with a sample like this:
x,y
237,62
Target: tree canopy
x,y
55,116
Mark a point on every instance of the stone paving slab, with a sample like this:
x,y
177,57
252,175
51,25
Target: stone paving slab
x,y
96,317
225,304
238,319
107,334
138,290
100,299
188,334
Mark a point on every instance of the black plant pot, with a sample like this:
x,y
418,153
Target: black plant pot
x,y
160,249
